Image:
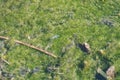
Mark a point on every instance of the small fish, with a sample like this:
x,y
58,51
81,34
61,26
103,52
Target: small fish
x,y
7,75
55,36
107,22
35,70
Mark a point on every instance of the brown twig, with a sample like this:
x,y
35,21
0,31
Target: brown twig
x,y
31,46
5,61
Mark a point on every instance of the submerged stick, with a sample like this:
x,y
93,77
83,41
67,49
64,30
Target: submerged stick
x,y
31,46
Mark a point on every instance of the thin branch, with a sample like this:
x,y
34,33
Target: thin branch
x,y
31,46
5,61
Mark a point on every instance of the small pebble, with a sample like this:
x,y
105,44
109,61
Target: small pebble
x,y
102,51
85,47
86,63
29,37
111,72
102,73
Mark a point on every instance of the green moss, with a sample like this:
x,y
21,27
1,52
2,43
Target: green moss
x,y
57,26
